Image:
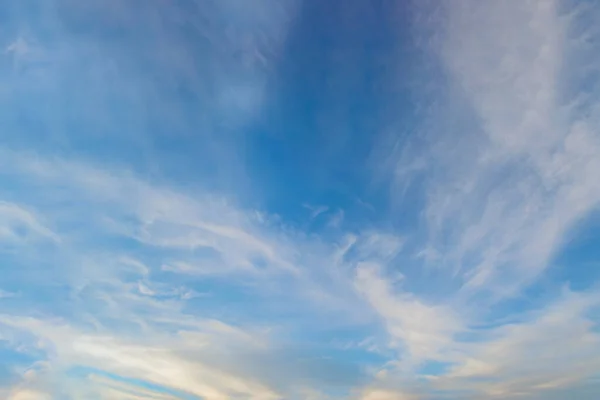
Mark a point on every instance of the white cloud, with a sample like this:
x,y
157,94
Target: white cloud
x,y
174,362
157,216
18,225
508,178
555,347
420,330
509,172
380,245
122,320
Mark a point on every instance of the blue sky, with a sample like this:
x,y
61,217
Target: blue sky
x,y
299,199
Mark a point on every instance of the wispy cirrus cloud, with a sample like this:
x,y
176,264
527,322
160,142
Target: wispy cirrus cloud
x,y
115,277
527,182
422,331
164,367
507,172
19,225
519,359
142,256
184,73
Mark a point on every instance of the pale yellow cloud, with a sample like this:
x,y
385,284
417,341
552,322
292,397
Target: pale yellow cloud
x,y
28,394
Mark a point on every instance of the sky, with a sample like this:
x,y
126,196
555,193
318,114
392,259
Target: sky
x,y
299,199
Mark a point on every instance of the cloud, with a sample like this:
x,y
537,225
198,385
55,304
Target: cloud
x,y
379,244
31,385
141,257
138,316
157,217
506,360
522,358
509,171
111,306
18,225
315,211
174,362
178,73
421,331
336,219
29,395
386,395
503,159
106,388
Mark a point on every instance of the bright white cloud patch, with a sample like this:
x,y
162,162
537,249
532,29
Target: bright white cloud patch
x,y
189,209
423,330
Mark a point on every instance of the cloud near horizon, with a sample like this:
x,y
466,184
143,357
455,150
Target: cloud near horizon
x,y
299,200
